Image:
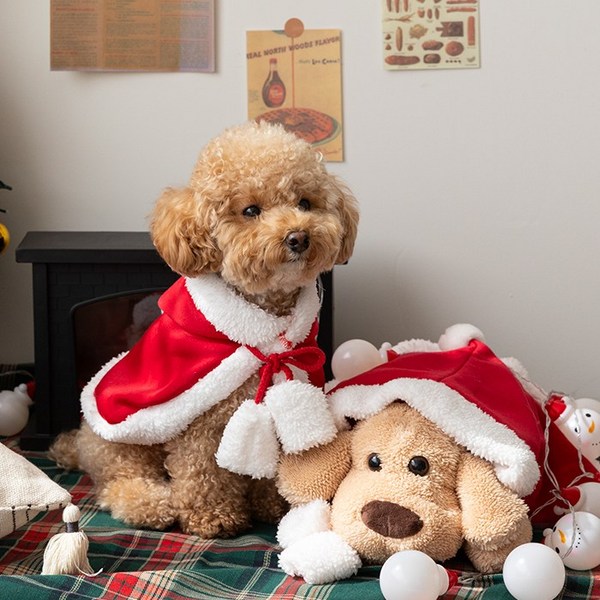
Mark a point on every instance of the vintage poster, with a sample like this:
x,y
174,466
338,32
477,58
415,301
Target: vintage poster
x,y
430,34
132,35
294,78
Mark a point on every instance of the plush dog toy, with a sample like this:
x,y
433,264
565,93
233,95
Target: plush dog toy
x,y
447,441
187,426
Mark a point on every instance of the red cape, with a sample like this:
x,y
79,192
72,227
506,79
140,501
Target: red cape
x,y
178,349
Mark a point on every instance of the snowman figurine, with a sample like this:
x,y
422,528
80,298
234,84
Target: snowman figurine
x,y
579,421
14,410
576,539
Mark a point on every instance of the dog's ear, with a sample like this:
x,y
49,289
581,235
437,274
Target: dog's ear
x,y
180,230
494,518
316,473
348,211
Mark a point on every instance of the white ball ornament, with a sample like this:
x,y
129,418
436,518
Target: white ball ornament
x,y
533,572
354,357
576,539
412,575
14,410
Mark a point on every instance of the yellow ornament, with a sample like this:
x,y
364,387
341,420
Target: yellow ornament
x,y
4,237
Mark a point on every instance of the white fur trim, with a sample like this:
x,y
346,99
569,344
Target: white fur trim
x,y
514,462
301,415
458,336
516,366
520,372
320,558
249,445
159,423
247,323
304,520
414,345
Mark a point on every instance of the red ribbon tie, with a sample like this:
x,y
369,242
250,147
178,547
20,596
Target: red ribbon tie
x,y
306,358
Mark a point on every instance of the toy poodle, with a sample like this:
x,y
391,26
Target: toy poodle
x,y
187,427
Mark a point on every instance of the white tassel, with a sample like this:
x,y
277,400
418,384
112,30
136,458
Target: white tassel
x,y
66,553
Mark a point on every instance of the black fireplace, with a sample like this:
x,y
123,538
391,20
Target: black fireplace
x,y
94,293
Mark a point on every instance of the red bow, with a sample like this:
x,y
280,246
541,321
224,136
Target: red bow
x,y
307,358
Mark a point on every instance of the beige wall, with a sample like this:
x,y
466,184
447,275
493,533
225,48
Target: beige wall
x,y
479,189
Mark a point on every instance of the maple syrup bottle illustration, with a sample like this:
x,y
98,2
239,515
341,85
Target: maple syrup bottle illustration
x,y
273,91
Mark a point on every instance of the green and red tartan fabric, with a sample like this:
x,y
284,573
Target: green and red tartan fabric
x,y
140,564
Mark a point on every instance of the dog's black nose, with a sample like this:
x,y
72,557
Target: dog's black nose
x,y
390,519
297,241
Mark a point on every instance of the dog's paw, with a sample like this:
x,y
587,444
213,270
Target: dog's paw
x,y
320,558
265,502
302,521
220,523
64,450
139,502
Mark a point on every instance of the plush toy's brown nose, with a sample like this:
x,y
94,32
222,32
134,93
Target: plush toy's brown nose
x,y
390,519
297,241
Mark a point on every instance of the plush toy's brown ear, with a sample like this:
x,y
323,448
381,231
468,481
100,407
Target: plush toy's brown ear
x,y
316,473
180,230
494,518
348,210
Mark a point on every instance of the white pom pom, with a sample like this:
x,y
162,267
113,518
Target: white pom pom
x,y
249,444
458,336
301,415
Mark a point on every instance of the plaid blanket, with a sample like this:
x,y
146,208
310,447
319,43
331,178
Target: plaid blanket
x,y
139,564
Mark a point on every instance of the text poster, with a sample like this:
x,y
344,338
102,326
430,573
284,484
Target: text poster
x,y
430,34
132,35
294,78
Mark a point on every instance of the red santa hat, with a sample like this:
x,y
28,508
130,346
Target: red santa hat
x,y
467,391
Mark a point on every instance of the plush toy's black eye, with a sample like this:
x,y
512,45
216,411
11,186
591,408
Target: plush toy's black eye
x,y
304,204
418,465
374,462
251,211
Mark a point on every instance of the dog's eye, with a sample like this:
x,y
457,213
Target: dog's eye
x,y
418,465
251,211
374,462
304,204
